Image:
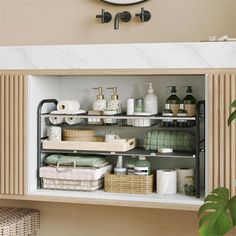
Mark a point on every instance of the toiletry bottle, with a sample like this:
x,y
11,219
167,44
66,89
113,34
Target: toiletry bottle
x,y
173,100
168,113
119,170
142,166
100,103
182,113
115,103
130,165
139,105
151,101
190,102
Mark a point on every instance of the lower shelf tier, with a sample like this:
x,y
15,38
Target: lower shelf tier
x,y
99,197
133,152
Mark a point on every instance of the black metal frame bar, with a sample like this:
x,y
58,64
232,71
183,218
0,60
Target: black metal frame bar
x,y
198,148
39,146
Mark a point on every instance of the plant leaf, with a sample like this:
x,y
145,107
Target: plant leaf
x,y
218,213
231,118
233,104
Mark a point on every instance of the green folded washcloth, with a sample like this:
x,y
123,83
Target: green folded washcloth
x,y
79,161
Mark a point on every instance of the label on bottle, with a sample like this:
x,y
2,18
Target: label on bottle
x,y
175,108
130,170
141,171
191,109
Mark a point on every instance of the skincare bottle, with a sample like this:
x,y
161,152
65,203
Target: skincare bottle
x,y
100,103
173,100
151,101
168,113
182,113
119,170
115,103
190,102
142,166
130,165
139,105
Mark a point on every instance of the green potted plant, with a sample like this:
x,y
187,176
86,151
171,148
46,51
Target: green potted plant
x,y
217,215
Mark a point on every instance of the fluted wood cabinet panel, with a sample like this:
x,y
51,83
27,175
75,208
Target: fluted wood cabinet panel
x,y
13,123
221,138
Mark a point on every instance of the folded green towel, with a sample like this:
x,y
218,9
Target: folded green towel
x,y
177,140
64,160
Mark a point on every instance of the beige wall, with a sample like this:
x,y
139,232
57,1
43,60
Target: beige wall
x,y
73,21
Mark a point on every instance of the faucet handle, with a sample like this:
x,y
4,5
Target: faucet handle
x,y
145,15
105,16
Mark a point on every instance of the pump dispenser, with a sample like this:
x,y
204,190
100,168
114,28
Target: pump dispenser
x,y
173,100
114,103
151,101
100,103
190,102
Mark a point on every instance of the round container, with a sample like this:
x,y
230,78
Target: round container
x,y
119,171
189,187
130,106
139,105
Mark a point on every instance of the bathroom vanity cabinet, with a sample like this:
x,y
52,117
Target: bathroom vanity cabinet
x,y
21,94
31,74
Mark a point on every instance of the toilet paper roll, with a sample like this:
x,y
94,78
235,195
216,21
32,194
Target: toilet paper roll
x,y
54,133
67,106
166,181
70,120
181,174
56,120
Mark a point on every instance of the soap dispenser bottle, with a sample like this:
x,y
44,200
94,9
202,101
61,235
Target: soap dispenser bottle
x,y
182,113
100,103
114,103
151,101
190,102
173,100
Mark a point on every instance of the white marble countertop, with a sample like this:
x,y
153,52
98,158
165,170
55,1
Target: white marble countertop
x,y
120,56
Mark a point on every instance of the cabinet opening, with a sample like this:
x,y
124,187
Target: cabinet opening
x,y
81,88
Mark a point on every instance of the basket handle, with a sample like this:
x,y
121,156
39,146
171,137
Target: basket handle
x,y
65,162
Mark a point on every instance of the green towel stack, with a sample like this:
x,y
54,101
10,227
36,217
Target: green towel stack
x,y
63,160
177,140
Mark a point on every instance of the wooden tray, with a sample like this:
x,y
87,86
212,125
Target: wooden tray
x,y
116,146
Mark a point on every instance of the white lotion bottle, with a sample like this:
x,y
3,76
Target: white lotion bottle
x,y
100,103
151,101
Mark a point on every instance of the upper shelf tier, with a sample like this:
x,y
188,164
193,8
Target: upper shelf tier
x,y
124,117
110,57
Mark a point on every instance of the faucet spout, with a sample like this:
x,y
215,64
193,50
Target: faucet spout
x,y
117,21
124,16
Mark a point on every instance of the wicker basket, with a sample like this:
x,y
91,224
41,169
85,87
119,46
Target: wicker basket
x,y
19,222
128,184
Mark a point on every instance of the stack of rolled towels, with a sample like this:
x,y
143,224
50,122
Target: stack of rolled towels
x,y
66,107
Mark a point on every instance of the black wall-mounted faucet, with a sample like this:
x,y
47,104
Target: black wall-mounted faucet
x,y
144,15
124,16
105,16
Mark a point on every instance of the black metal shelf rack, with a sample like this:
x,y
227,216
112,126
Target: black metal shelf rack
x,y
199,145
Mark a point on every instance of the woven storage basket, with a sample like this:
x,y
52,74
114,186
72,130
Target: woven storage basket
x,y
85,139
128,184
19,222
78,133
